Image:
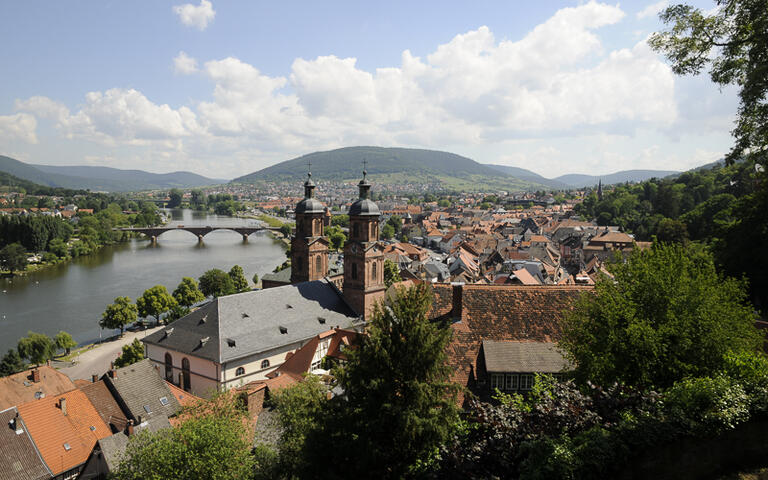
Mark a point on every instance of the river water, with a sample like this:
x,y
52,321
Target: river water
x,y
73,295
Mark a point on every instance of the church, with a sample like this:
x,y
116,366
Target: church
x,y
237,339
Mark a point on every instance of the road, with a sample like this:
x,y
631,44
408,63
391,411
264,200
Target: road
x,y
97,360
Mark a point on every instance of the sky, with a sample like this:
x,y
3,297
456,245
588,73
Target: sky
x,y
227,87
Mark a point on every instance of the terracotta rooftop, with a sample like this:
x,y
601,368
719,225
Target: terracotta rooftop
x,y
21,387
64,440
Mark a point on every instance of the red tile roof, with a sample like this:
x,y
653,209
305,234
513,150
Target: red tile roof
x,y
52,431
20,388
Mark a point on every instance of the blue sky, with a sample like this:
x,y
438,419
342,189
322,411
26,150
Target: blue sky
x,y
225,87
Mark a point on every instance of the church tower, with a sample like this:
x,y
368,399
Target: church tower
x,y
363,255
309,247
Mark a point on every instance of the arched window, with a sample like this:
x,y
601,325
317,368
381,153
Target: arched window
x,y
168,367
355,230
373,231
265,364
373,272
185,373
299,264
354,271
319,265
240,371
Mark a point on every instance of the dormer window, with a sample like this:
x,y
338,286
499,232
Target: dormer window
x,y
239,371
265,364
283,330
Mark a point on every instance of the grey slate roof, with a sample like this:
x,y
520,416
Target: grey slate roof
x,y
138,386
112,447
243,324
364,207
283,275
19,457
526,357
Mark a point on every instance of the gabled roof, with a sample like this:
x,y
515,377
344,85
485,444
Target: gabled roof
x,y
113,446
20,388
523,357
64,441
19,458
241,325
139,390
104,403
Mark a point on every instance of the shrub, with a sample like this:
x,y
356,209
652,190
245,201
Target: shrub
x,y
707,404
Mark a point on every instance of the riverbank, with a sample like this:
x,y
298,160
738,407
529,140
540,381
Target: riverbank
x,y
95,359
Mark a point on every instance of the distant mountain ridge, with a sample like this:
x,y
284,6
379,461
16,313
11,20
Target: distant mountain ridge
x,y
394,166
578,181
101,178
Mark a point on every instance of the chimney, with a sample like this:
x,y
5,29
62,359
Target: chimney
x,y
181,381
129,432
36,375
111,371
94,378
63,405
456,302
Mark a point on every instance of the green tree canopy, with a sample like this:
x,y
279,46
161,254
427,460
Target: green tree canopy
x,y
132,353
37,348
212,442
398,402
397,223
237,275
387,232
64,341
668,315
340,220
255,279
216,283
337,237
13,257
732,40
391,273
188,293
154,302
119,314
174,198
11,363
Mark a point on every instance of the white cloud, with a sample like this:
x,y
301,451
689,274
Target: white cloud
x,y
652,9
21,126
196,16
184,64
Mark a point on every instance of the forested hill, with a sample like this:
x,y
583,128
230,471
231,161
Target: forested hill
x,y
722,207
13,183
391,165
100,178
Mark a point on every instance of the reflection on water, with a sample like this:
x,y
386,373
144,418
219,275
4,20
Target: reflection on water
x,y
72,296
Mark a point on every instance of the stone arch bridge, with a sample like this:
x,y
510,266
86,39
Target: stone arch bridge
x,y
200,232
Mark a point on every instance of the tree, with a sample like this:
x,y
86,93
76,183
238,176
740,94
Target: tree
x,y
668,315
132,353
387,232
391,273
213,441
197,199
285,229
174,198
36,347
255,279
188,293
64,341
238,279
11,363
733,41
216,283
398,402
300,411
119,314
397,223
154,302
337,237
13,257
340,220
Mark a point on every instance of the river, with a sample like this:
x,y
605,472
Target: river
x,y
72,296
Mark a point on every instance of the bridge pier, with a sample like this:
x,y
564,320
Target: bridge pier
x,y
154,239
245,237
200,238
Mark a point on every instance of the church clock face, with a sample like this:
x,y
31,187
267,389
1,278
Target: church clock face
x,y
353,248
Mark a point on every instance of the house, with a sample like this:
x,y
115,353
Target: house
x,y
478,313
105,404
65,429
240,338
33,384
140,392
20,459
511,366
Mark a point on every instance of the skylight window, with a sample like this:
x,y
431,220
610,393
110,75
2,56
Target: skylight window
x,y
245,315
231,342
67,447
164,401
321,320
283,330
93,429
147,409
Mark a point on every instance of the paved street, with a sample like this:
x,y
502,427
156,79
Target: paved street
x,y
96,360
